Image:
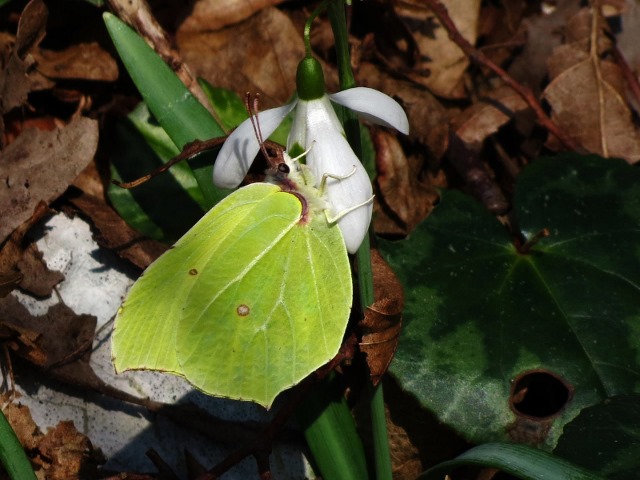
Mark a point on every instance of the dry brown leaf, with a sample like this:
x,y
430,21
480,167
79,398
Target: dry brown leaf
x,y
60,337
115,234
383,320
65,453
62,453
59,341
427,117
544,34
19,417
37,279
210,15
587,97
15,81
24,263
9,281
38,167
259,55
81,61
402,200
474,124
442,57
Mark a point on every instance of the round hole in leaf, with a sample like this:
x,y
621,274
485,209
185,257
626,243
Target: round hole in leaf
x,y
539,394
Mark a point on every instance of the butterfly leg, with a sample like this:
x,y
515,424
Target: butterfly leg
x,y
326,176
333,219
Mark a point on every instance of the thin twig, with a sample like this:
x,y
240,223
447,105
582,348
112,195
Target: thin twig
x,y
629,76
440,11
137,14
190,150
594,58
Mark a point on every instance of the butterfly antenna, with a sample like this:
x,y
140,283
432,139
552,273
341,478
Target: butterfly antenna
x,y
253,108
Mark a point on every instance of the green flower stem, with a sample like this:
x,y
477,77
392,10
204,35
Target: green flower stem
x,y
522,461
307,27
339,26
363,257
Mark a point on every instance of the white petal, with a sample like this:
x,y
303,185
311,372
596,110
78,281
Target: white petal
x,y
239,150
331,154
298,132
374,106
311,115
346,193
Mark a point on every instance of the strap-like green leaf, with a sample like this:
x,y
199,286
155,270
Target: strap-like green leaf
x,y
330,431
182,116
522,461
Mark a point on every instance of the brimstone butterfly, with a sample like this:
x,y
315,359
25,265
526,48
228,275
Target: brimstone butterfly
x,y
250,301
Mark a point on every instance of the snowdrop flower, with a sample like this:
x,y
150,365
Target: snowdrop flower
x,y
316,128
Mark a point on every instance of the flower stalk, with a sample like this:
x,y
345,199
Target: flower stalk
x,y
382,455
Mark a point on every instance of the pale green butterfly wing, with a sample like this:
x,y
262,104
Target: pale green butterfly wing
x,y
145,327
249,302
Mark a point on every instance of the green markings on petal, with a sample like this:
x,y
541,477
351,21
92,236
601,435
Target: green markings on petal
x,y
248,302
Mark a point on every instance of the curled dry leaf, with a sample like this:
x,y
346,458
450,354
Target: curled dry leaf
x,y
260,54
19,417
82,61
60,341
22,266
65,453
58,338
60,454
427,117
15,80
403,200
382,320
440,56
39,166
544,33
474,124
209,15
587,95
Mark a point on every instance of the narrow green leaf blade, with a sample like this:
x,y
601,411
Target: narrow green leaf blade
x,y
167,205
174,107
331,434
525,462
12,455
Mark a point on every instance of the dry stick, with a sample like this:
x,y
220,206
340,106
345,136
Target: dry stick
x,y
594,58
189,150
199,146
473,53
629,76
138,14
